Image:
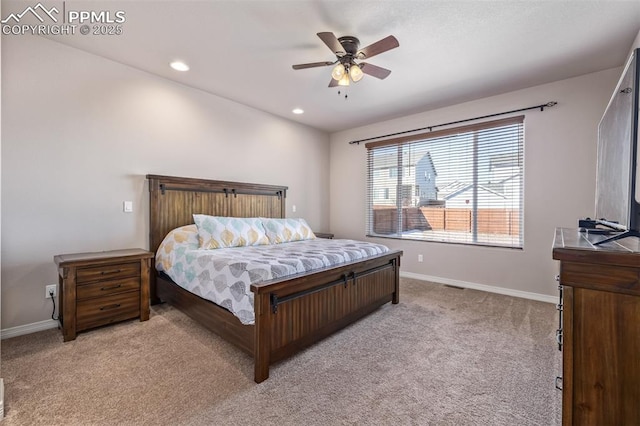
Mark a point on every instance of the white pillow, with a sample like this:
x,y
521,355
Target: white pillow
x,y
287,230
220,232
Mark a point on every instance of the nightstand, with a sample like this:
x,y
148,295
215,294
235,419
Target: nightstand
x,y
324,235
102,288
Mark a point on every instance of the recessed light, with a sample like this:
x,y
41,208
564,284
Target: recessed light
x,y
298,111
179,66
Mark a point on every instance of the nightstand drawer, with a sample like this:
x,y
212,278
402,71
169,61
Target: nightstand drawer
x,y
105,310
107,272
107,288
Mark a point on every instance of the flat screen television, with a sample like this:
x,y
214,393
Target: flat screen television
x,y
617,176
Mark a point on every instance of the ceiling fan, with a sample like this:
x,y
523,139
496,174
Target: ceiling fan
x,y
347,51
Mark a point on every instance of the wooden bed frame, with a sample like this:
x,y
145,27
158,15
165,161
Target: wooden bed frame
x,y
291,313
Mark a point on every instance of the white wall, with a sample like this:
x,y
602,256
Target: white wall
x,y
560,166
635,44
81,132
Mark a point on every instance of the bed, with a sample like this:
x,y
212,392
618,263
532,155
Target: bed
x,y
290,313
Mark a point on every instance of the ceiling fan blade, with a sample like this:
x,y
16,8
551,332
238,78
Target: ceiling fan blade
x,y
375,71
332,43
378,47
312,65
333,83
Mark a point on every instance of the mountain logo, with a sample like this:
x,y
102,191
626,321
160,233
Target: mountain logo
x,y
38,11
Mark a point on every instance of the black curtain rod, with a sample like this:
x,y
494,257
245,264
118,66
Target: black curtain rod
x,y
542,107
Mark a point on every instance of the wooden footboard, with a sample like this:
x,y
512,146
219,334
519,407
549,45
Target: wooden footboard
x,y
293,314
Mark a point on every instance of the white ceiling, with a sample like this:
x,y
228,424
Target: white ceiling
x,y
450,51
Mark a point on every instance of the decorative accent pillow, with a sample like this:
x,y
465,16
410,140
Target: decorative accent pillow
x,y
220,232
287,230
180,239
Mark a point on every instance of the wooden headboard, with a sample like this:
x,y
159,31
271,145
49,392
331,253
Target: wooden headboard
x,y
174,200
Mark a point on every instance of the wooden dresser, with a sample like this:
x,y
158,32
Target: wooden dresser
x,y
102,288
600,329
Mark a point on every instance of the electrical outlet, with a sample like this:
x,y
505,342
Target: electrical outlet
x,y
51,288
420,258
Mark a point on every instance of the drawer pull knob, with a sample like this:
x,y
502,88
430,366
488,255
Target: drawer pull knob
x,y
114,271
110,288
115,305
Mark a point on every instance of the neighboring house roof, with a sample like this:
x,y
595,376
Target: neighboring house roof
x,y
456,188
497,186
517,175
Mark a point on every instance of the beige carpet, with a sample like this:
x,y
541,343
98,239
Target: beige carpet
x,y
443,356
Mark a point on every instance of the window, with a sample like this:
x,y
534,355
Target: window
x,y
461,185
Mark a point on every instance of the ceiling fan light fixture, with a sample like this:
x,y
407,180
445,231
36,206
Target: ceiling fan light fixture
x,y
356,73
344,80
338,72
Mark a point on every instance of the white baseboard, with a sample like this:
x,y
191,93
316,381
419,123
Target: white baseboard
x,y
482,287
1,399
28,328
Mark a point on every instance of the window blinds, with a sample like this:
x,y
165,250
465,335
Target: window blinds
x,y
460,185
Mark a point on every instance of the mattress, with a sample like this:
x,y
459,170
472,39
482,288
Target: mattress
x,y
224,276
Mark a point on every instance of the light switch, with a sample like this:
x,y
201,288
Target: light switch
x,y
127,206
293,208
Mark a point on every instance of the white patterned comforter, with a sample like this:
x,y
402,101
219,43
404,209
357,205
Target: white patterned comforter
x,y
224,276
